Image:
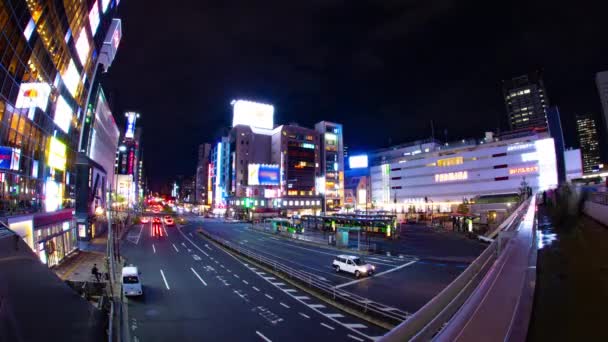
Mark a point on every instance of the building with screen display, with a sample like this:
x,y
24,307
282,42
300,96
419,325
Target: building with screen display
x,y
427,174
331,163
51,53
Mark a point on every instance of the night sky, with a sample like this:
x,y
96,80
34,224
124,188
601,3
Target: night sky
x,y
383,69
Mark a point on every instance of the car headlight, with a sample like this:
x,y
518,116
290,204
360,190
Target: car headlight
x,y
373,267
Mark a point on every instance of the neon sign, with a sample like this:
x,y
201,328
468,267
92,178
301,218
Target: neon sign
x,y
451,176
523,170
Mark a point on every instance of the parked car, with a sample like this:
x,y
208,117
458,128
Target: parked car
x,y
131,281
353,264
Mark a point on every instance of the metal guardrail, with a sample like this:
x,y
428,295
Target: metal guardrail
x,y
432,317
377,310
599,198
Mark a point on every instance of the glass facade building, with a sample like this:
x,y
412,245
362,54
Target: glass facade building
x,y
48,55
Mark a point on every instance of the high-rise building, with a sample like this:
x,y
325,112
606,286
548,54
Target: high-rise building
x,y
526,101
588,139
202,174
331,163
51,52
129,164
601,80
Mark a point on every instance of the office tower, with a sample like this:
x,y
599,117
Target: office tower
x,y
526,101
588,138
601,80
202,174
332,163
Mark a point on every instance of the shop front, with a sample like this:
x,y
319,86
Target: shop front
x,y
55,236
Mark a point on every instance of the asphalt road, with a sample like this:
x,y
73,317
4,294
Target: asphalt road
x,y
405,282
196,292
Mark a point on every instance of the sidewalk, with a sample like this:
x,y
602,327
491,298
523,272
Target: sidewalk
x,y
78,267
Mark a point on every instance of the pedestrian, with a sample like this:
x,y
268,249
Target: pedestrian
x,y
95,272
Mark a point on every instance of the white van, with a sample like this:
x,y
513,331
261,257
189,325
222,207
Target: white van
x,y
131,282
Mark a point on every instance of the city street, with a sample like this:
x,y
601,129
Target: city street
x,y
194,291
405,282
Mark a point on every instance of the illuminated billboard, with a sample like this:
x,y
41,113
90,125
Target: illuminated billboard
x,y
57,154
94,18
104,5
83,46
252,114
263,174
33,95
131,118
71,78
9,158
357,162
53,195
63,114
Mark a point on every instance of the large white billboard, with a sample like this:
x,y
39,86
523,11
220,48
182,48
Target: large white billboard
x,y
131,118
252,114
35,94
356,162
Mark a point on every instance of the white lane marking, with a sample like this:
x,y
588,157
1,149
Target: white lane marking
x,y
334,315
290,290
207,246
354,337
139,235
177,250
301,297
245,281
204,252
191,234
375,275
260,274
255,288
278,284
235,275
165,229
304,315
184,244
263,337
270,278
222,266
196,257
317,306
154,248
198,276
327,326
229,271
285,305
389,309
355,325
165,279
268,296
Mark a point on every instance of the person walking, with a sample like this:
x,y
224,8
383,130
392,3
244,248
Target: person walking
x,y
95,272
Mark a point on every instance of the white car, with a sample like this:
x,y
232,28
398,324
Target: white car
x,y
353,264
131,281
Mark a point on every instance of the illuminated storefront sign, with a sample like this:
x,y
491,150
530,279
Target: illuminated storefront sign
x,y
523,170
356,162
271,193
33,95
57,154
71,78
518,147
94,18
252,114
53,195
263,174
218,174
450,161
308,146
451,176
63,114
131,118
83,47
